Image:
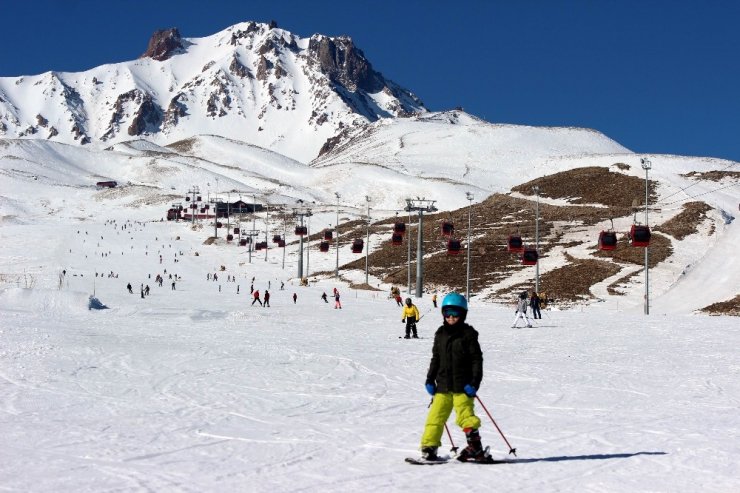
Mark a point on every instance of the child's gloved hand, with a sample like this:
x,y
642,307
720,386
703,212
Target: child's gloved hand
x,y
469,390
431,388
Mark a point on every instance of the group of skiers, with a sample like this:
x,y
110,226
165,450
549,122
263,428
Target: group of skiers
x,y
523,302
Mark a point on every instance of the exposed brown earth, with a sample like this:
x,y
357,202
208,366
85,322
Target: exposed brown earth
x,y
687,221
729,307
713,175
591,185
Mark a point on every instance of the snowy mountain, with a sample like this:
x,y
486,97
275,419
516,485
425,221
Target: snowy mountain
x,y
251,82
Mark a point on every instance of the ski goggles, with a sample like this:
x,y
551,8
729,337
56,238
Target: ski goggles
x,y
451,311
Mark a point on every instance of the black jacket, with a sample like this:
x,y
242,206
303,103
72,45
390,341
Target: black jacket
x,y
457,359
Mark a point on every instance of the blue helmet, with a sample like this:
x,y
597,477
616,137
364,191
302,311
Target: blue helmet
x,y
455,299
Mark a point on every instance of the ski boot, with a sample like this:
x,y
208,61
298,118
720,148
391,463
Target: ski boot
x,y
429,453
474,452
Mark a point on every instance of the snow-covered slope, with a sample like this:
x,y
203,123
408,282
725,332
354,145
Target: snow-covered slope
x,y
193,389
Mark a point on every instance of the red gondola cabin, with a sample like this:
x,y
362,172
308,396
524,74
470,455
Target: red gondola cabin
x,y
453,247
301,230
640,235
447,229
399,229
515,244
530,256
358,245
324,246
328,235
607,240
396,239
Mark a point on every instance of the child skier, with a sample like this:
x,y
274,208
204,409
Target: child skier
x,y
454,376
410,316
521,310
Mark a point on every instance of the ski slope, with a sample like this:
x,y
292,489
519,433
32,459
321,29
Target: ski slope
x,y
193,389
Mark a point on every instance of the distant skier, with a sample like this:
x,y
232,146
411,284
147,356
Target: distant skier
x,y
130,289
521,310
337,303
410,316
266,301
434,300
295,298
256,296
324,297
534,303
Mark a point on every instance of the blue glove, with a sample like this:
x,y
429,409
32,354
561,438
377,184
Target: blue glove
x,y
469,390
431,388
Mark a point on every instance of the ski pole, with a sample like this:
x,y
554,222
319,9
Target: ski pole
x,y
512,450
424,314
453,449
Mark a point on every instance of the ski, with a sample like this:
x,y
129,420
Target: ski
x,y
420,461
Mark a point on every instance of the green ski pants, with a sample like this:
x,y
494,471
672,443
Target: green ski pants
x,y
442,405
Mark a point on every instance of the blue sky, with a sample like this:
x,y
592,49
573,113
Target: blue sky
x,y
657,76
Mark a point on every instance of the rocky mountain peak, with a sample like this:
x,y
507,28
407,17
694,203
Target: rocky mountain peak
x,y
163,44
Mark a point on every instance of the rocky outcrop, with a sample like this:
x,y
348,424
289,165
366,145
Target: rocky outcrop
x,y
263,67
176,110
343,63
163,44
147,116
238,69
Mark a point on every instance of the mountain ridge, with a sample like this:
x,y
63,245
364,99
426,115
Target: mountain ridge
x,y
253,82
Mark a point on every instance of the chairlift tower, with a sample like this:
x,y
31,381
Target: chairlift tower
x,y
336,271
536,190
300,212
646,165
194,191
421,206
252,233
367,241
469,196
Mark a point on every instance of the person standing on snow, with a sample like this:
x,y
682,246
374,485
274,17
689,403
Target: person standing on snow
x,y
337,303
534,303
256,296
521,310
266,301
434,300
323,297
454,376
410,316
